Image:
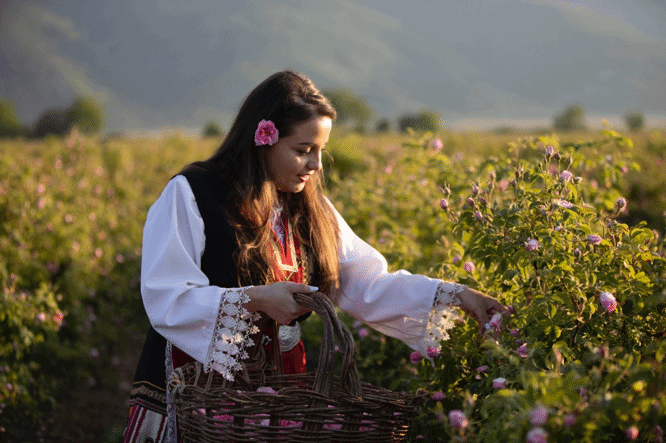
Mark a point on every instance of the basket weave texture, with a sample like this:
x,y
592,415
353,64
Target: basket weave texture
x,y
312,407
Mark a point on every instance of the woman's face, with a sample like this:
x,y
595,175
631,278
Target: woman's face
x,y
293,159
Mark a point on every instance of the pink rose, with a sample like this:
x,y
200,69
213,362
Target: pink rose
x,y
444,203
607,300
593,239
363,333
631,433
532,244
415,357
469,266
621,204
495,321
539,416
550,150
522,350
499,383
536,435
458,420
432,352
438,396
483,368
565,176
478,216
437,144
266,133
470,202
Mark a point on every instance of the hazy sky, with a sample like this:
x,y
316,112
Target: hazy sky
x,y
168,63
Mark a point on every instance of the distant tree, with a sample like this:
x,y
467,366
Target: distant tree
x,y
383,125
211,129
86,114
571,119
351,108
9,123
425,120
51,121
634,121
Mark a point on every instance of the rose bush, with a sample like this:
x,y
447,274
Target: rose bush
x,y
537,228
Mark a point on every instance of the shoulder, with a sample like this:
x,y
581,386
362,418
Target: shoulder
x,y
205,181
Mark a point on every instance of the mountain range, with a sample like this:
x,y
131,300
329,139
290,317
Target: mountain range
x,y
159,64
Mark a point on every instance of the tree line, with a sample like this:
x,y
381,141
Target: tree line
x,y
354,112
84,113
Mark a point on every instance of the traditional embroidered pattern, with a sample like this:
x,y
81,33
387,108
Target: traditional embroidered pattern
x,y
443,315
287,261
231,336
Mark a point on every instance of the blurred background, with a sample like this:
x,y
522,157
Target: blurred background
x,y
479,64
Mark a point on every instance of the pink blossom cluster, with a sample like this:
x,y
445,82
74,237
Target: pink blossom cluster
x,y
565,176
415,357
432,352
607,300
593,239
438,396
458,420
536,435
522,350
532,244
499,383
469,266
539,416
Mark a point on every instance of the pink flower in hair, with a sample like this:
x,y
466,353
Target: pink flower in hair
x,y
266,133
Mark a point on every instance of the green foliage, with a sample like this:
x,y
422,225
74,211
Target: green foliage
x,y
425,120
634,121
86,114
596,372
211,129
571,119
71,218
351,108
9,122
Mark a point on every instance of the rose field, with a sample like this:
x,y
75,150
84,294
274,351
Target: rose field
x,y
565,229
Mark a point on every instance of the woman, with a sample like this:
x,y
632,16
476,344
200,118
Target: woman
x,y
240,233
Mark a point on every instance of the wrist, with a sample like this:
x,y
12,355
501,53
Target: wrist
x,y
255,295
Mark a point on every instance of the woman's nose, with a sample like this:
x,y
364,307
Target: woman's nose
x,y
314,161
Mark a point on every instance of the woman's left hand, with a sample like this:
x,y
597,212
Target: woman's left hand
x,y
480,306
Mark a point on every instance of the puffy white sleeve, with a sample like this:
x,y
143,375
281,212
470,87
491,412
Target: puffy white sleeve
x,y
415,309
207,322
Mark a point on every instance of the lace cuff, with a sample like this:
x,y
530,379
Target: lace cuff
x,y
231,336
443,315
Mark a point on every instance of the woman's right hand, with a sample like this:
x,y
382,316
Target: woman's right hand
x,y
277,300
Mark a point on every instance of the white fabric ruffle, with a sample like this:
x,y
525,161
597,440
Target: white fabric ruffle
x,y
443,315
231,335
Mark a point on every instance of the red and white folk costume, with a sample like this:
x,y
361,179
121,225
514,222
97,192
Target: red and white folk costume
x,y
208,323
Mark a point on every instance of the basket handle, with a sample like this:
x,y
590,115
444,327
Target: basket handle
x,y
333,329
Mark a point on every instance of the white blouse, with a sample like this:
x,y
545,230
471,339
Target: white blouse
x,y
210,323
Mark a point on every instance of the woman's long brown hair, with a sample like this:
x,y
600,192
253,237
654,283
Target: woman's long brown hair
x,y
287,98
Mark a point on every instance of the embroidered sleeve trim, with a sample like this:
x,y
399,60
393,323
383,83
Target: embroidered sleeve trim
x,y
231,336
443,315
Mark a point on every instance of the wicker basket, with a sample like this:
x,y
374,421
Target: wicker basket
x,y
319,407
